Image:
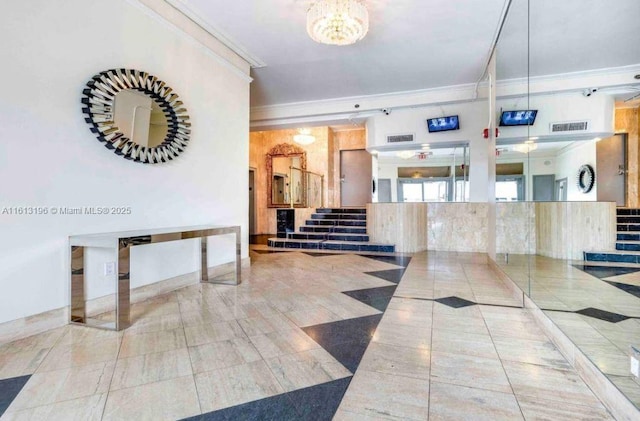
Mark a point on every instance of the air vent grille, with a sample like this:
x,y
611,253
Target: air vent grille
x,y
399,138
570,126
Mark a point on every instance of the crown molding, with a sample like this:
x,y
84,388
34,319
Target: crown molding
x,y
184,33
226,39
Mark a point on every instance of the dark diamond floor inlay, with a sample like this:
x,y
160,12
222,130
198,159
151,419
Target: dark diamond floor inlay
x,y
631,289
9,389
268,251
605,271
310,253
602,315
345,340
391,275
455,302
393,260
377,298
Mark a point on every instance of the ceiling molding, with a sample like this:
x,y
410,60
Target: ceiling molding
x,y
345,108
184,33
195,15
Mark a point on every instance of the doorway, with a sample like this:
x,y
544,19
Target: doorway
x,y
611,174
384,190
561,190
252,202
355,177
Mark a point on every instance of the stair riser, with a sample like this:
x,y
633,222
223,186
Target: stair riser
x,y
342,210
628,247
628,219
628,237
308,236
338,237
356,216
607,257
346,223
335,229
628,212
626,227
315,245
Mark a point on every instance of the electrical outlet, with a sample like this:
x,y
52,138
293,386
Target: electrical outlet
x,y
109,268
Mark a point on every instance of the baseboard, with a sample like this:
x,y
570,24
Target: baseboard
x,y
613,399
31,325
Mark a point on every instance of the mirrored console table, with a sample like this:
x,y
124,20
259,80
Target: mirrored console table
x,y
121,243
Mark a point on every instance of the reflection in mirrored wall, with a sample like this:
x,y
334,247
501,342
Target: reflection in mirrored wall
x,y
432,174
566,186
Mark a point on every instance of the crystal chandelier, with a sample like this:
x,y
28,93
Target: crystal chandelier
x,y
405,154
337,22
304,137
525,147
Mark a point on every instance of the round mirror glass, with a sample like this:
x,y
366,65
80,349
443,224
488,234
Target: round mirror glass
x,y
140,118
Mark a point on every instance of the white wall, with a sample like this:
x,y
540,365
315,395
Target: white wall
x,y
49,158
568,163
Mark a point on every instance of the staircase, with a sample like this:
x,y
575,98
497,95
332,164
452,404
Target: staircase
x,y
333,229
627,240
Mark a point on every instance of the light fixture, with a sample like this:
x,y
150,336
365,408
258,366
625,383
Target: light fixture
x,y
425,146
304,137
337,22
525,147
597,139
405,154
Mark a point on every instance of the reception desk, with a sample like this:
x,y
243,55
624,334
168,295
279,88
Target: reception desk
x,y
121,243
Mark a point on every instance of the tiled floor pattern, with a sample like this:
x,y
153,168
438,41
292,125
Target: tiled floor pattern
x,y
597,306
307,336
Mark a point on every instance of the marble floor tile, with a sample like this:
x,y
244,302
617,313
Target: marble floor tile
x,y
79,354
541,352
165,400
89,408
304,369
222,354
397,360
149,368
470,371
540,409
550,384
80,334
475,325
450,341
45,340
231,386
162,322
282,342
151,342
452,402
401,335
387,396
312,316
60,385
408,317
260,325
21,363
342,415
213,332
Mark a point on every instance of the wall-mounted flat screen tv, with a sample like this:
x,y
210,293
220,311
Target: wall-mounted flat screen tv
x,y
518,118
442,124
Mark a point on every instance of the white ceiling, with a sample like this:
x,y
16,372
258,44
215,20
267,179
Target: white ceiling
x,y
415,44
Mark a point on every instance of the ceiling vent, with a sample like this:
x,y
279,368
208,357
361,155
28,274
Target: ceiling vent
x,y
569,126
400,138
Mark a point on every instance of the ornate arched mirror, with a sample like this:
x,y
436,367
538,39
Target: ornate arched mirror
x,y
136,115
285,181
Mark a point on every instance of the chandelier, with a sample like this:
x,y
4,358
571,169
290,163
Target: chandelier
x,y
405,154
304,137
337,22
525,147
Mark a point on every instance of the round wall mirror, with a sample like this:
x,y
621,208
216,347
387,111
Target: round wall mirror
x,y
136,115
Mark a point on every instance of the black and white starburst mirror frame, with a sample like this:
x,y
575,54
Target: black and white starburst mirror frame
x,y
98,105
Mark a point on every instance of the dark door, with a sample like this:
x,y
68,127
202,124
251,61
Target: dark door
x,y
252,203
355,177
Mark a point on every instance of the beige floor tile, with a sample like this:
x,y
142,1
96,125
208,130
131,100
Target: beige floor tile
x,y
307,368
148,343
530,351
150,368
61,385
479,345
452,402
231,386
166,400
402,335
222,354
471,371
161,322
383,395
282,342
21,363
261,325
213,332
462,325
549,384
396,360
82,334
408,317
342,415
45,340
539,409
312,316
83,409
79,354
